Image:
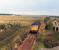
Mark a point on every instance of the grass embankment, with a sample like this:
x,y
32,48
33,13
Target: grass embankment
x,y
39,42
53,40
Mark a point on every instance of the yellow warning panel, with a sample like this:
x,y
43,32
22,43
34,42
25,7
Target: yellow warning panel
x,y
34,27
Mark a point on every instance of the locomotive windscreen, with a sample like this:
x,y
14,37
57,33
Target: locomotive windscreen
x,y
34,27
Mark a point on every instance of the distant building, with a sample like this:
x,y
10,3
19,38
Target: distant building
x,y
56,25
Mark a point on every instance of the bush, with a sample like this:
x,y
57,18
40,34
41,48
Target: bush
x,y
52,40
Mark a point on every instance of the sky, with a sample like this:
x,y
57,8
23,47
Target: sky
x,y
30,7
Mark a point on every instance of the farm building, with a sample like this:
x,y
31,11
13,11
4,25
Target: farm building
x,y
55,25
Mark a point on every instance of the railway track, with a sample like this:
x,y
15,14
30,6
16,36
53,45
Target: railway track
x,y
27,43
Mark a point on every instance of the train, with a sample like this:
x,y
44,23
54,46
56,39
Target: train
x,y
35,27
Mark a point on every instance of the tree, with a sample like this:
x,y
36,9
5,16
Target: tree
x,y
48,26
46,19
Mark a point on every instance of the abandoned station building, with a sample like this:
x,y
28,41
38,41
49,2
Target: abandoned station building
x,y
56,25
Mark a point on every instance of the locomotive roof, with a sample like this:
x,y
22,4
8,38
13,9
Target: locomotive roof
x,y
36,23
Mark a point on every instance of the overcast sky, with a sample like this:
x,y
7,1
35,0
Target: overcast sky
x,y
30,7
